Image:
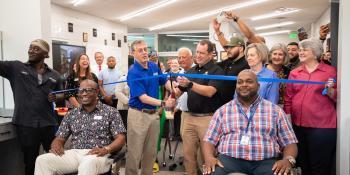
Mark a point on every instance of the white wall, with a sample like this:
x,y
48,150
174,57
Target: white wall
x,y
85,23
22,22
281,38
343,113
325,18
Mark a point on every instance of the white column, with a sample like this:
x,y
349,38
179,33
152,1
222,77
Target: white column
x,y
343,112
22,22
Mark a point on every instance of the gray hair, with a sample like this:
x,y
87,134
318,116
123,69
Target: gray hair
x,y
136,42
280,46
314,45
189,51
261,50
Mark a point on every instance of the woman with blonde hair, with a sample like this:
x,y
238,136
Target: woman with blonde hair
x,y
256,55
278,58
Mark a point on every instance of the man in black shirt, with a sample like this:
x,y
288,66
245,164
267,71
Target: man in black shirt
x,y
234,64
293,53
204,98
31,83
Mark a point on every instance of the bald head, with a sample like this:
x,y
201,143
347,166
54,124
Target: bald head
x,y
247,85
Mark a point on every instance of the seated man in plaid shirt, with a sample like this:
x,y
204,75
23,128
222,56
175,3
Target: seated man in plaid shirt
x,y
250,134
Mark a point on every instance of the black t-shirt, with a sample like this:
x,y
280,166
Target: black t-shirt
x,y
231,67
201,104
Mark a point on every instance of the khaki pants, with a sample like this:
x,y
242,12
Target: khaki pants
x,y
194,129
72,161
142,137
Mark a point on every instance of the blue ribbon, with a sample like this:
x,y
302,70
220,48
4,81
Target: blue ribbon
x,y
212,77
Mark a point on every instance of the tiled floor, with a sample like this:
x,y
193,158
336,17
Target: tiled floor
x,y
179,170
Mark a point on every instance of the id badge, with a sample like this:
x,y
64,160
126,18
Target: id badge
x,y
244,140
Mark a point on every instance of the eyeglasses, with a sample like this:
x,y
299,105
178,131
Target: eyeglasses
x,y
86,90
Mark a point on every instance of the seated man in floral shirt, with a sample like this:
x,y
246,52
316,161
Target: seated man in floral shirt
x,y
96,131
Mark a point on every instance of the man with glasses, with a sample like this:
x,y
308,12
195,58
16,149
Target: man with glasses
x,y
96,130
143,120
234,64
203,99
31,83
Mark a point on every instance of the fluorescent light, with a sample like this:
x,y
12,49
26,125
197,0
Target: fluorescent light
x,y
206,14
276,13
146,9
190,36
186,39
77,2
275,25
274,33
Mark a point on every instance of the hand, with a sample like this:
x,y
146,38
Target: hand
x,y
282,167
330,83
183,81
170,102
57,149
98,151
108,100
210,164
216,26
230,15
51,97
324,30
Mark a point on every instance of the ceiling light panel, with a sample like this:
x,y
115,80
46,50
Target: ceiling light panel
x,y
190,36
274,25
274,33
147,9
206,14
276,13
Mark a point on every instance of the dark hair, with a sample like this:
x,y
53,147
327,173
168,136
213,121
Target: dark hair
x,y
208,43
78,69
293,44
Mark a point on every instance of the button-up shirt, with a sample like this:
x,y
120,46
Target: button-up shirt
x,y
109,76
146,86
95,129
30,92
268,90
201,104
269,130
305,102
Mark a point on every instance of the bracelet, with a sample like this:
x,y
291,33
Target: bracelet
x,y
162,103
235,18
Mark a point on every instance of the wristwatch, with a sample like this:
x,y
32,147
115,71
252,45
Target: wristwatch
x,y
291,160
162,104
235,18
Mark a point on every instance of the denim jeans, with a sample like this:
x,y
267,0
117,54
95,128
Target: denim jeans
x,y
233,165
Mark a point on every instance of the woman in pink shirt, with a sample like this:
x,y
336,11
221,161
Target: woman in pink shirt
x,y
313,114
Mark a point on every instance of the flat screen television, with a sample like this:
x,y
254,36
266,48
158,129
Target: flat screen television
x,y
64,56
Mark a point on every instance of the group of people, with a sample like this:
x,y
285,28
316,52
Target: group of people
x,y
243,126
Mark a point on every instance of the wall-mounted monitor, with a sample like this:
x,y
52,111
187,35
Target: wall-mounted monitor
x,y
64,56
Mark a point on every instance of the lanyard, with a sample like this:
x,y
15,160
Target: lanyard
x,y
252,112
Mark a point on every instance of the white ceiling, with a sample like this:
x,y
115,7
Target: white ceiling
x,y
311,10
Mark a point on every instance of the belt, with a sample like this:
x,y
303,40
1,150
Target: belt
x,y
148,111
201,114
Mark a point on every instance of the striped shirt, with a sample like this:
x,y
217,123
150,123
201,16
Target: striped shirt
x,y
269,130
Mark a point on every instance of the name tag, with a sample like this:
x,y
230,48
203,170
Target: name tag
x,y
98,117
245,140
155,73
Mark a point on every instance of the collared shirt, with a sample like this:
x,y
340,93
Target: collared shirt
x,y
95,129
269,130
305,102
232,67
109,76
147,86
96,70
201,104
268,90
32,107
